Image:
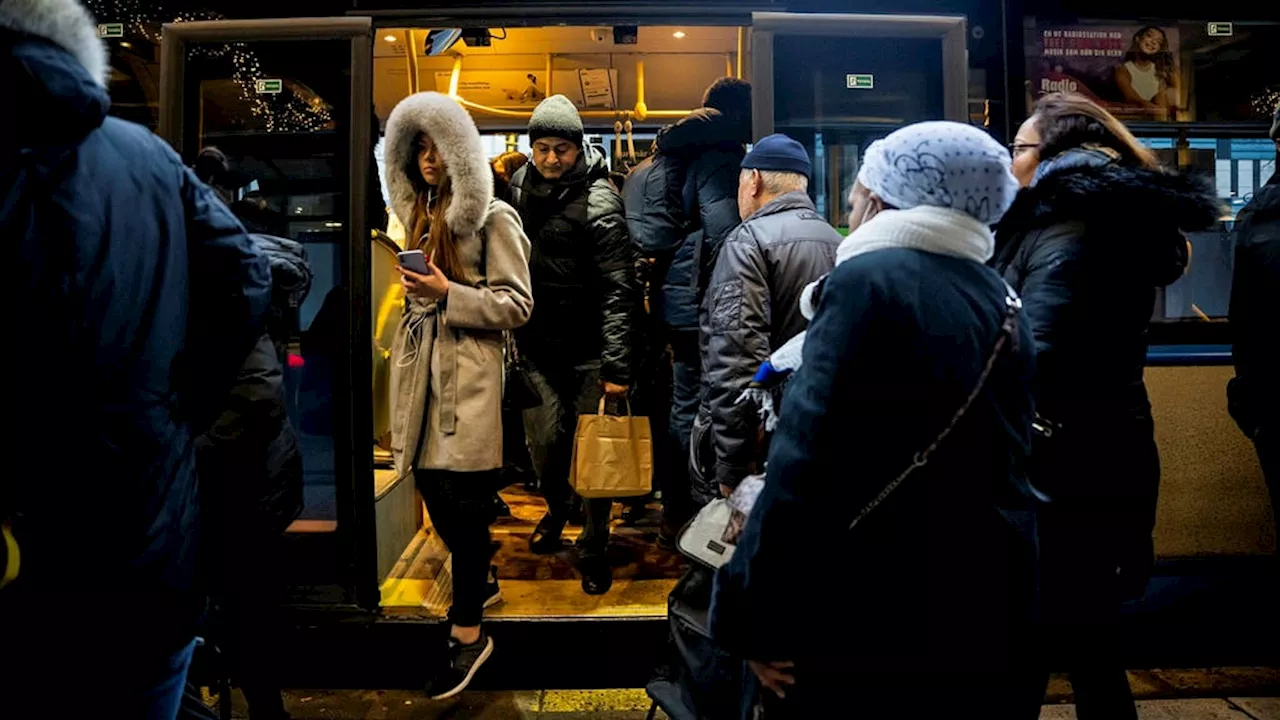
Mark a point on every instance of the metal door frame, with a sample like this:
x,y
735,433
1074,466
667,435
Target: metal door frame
x,y
355,550
947,29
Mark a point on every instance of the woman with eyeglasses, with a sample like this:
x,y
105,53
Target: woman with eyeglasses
x,y
1097,228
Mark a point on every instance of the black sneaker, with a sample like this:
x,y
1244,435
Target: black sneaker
x,y
464,661
492,594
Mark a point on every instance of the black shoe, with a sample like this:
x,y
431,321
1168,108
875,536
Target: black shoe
x,y
578,513
500,507
492,594
597,576
545,539
464,661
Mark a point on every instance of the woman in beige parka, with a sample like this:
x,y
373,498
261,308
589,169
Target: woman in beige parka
x,y
447,357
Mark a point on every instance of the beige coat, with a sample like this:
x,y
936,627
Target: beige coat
x,y
447,356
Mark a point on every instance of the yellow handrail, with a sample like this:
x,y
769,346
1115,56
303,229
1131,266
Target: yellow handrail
x,y
455,76
742,34
641,112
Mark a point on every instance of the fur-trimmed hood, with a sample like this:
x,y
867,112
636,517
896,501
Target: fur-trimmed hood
x,y
455,134
1151,208
65,23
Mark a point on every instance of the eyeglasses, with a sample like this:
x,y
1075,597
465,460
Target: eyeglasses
x,y
1016,149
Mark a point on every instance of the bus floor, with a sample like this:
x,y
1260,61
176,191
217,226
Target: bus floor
x,y
542,586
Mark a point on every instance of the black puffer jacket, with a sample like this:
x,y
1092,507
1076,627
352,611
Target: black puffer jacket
x,y
585,289
1086,247
710,147
752,307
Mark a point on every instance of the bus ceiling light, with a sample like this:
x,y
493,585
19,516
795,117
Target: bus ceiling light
x,y
390,38
679,34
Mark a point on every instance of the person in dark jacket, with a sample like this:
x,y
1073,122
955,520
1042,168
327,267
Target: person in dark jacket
x,y
579,338
1097,229
915,379
251,466
1254,393
708,145
140,296
753,306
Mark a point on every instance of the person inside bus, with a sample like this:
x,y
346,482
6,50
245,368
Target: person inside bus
x,y
703,152
914,393
1254,393
579,340
447,369
139,296
753,307
1097,229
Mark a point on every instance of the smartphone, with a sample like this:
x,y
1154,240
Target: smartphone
x,y
414,260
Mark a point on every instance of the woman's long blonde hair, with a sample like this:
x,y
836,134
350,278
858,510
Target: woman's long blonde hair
x,y
429,229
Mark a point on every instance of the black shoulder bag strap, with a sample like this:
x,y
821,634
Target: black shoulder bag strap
x,y
1008,334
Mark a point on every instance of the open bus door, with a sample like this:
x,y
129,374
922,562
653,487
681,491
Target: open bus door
x,y
837,82
289,103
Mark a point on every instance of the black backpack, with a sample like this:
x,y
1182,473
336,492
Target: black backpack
x,y
657,218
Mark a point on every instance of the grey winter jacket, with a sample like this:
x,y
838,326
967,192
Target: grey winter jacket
x,y
752,307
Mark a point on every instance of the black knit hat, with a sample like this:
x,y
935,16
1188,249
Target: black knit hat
x,y
556,117
779,153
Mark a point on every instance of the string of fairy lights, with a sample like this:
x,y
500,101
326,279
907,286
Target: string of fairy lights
x,y
283,112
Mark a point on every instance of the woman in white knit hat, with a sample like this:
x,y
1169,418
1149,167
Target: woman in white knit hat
x,y
896,464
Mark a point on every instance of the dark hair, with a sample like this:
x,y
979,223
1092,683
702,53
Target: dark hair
x,y
1067,120
1163,59
619,179
730,96
504,168
211,165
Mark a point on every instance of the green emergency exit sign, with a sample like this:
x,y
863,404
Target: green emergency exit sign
x,y
111,30
1221,29
863,81
269,86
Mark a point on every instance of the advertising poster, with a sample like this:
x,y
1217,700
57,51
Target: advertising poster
x,y
1132,70
524,89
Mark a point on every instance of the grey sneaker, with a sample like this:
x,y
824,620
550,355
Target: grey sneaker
x,y
464,661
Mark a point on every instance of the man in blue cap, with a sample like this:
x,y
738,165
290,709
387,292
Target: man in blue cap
x,y
752,307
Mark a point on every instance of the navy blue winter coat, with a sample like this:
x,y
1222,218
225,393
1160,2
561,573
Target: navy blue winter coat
x,y
710,147
133,296
940,577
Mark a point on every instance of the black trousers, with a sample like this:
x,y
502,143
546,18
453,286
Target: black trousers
x,y
576,391
1082,596
251,623
461,508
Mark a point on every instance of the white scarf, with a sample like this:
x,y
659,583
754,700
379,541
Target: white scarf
x,y
941,231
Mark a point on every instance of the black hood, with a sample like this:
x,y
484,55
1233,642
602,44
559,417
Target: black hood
x,y
51,99
1148,210
701,129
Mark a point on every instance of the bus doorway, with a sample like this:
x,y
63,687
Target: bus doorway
x,y
297,105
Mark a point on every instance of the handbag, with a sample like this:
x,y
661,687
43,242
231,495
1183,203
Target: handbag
x,y
612,456
709,538
518,389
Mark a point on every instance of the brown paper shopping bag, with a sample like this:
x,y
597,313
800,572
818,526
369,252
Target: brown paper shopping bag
x,y
612,456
